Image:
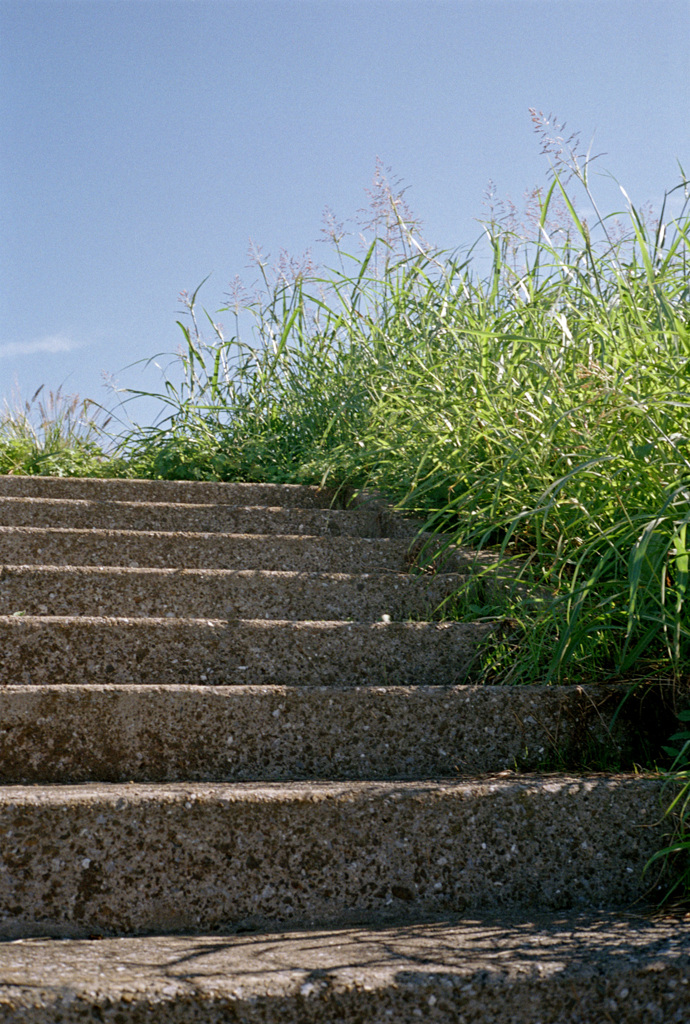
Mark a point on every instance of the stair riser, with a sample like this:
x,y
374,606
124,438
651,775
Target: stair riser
x,y
54,546
101,515
185,491
164,651
429,996
229,594
58,734
186,857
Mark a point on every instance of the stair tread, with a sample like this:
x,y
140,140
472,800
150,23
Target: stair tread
x,y
183,491
310,791
577,967
234,593
270,625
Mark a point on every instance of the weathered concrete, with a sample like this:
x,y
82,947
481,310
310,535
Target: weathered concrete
x,y
201,857
55,649
185,518
68,734
571,969
28,545
228,593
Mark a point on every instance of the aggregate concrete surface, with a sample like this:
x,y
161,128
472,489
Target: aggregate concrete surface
x,y
565,969
213,722
224,593
187,491
167,516
30,545
57,649
76,733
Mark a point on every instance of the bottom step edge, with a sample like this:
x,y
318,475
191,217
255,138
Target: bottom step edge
x,y
567,968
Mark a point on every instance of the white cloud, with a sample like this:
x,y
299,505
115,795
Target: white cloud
x,y
49,343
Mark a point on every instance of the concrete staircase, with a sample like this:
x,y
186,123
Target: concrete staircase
x,y
246,775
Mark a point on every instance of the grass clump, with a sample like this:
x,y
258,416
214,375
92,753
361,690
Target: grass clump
x,y
55,435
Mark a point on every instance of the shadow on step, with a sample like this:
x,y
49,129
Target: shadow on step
x,y
556,970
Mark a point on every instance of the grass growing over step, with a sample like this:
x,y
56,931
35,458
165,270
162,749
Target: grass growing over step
x,y
530,396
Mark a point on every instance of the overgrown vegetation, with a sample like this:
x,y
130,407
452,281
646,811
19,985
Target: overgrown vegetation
x,y
540,406
535,401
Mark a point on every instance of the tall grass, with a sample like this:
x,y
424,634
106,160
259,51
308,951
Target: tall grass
x,y
535,401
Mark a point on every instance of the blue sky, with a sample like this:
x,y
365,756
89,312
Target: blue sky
x,y
145,142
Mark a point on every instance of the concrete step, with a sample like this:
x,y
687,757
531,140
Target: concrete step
x,y
60,649
229,593
27,545
199,857
183,491
86,733
169,517
574,969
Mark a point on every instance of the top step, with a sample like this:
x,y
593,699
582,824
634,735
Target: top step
x,y
191,491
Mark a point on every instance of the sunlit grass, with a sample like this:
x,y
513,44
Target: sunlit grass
x,y
539,407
